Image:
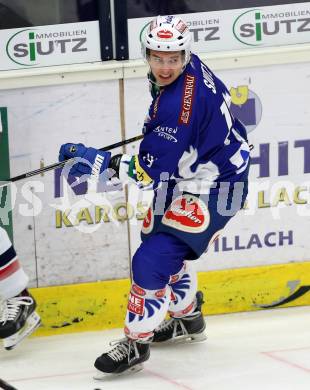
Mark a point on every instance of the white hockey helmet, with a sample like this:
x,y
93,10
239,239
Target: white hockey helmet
x,y
166,33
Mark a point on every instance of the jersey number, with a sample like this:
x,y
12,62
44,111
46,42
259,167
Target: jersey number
x,y
227,115
240,157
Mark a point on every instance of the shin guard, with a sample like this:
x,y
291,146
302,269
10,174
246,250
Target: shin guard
x,y
183,291
146,310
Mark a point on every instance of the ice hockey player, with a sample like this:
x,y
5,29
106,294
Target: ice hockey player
x,y
195,156
18,318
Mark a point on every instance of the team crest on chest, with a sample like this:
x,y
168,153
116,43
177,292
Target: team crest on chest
x,y
187,213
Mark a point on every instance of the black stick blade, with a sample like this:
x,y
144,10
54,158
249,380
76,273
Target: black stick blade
x,y
6,386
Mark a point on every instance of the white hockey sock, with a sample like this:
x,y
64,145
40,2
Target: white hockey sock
x,y
13,279
146,310
183,291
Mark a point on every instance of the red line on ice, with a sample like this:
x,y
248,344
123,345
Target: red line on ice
x,y
280,359
166,379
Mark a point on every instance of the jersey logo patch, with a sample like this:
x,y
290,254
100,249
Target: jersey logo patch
x,y
160,293
187,213
187,100
181,26
148,222
166,132
165,34
174,278
138,290
141,175
173,298
135,304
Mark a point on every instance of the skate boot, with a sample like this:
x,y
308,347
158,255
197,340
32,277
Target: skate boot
x,y
18,319
185,329
127,355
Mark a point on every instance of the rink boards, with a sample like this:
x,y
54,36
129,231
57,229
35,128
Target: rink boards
x,y
76,245
102,305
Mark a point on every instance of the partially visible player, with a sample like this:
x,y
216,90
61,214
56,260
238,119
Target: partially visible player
x,y
18,318
195,156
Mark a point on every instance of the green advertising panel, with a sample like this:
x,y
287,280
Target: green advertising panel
x,y
5,194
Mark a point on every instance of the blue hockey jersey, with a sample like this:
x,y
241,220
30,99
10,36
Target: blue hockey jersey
x,y
190,135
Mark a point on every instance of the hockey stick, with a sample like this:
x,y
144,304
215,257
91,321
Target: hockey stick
x,y
5,386
61,164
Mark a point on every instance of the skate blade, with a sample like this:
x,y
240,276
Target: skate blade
x,y
32,323
102,376
184,339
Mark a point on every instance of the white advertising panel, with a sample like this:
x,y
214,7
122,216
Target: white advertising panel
x,y
237,29
65,235
58,44
273,103
69,235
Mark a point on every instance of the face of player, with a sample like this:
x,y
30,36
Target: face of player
x,y
166,66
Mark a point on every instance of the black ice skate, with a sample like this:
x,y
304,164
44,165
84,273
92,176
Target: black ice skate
x,y
18,319
127,355
186,329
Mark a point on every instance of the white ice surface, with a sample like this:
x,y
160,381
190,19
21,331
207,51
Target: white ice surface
x,y
267,350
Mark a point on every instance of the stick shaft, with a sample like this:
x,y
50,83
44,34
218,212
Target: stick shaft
x,y
61,164
6,386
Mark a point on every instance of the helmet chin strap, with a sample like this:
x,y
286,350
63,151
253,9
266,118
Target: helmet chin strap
x,y
152,79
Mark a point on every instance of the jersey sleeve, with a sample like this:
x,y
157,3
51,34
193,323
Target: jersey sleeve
x,y
227,145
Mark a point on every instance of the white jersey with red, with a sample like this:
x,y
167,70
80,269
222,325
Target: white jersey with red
x,y
13,279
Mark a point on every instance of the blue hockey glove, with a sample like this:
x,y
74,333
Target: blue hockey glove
x,y
91,161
